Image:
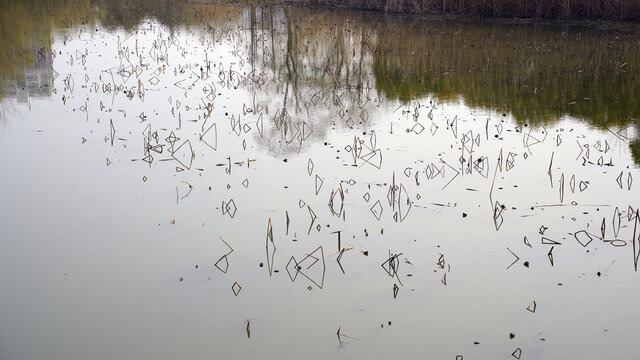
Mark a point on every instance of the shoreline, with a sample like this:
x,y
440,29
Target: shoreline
x,y
623,25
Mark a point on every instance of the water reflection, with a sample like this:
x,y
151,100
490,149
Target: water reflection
x,y
26,29
172,134
635,150
537,74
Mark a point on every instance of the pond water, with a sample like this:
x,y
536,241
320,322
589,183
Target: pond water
x,y
190,180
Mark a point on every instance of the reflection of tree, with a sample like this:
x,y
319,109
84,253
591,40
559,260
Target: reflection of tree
x,y
604,10
538,75
319,65
130,13
26,29
635,150
634,146
313,67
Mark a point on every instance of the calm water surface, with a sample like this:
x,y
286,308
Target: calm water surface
x,y
187,180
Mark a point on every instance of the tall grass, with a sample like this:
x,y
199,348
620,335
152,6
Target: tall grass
x,y
547,9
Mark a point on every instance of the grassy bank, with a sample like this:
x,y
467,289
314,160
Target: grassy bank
x,y
543,9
